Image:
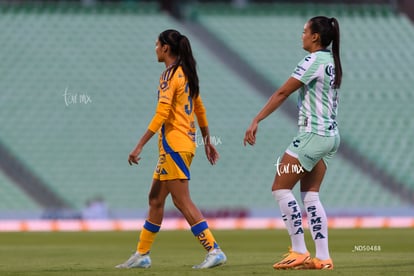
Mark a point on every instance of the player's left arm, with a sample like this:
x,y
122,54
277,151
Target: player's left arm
x,y
211,151
200,111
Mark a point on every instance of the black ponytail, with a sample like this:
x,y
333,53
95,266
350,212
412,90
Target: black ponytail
x,y
180,46
328,30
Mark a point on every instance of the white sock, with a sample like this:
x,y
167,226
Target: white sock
x,y
318,223
291,215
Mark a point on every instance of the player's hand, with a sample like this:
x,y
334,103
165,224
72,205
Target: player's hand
x,y
250,136
211,153
134,156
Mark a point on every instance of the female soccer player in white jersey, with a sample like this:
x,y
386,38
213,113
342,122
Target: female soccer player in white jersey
x,y
318,78
179,103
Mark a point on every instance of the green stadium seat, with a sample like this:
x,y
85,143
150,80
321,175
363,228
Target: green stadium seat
x,y
13,199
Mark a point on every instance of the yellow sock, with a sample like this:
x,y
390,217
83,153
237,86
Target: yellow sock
x,y
147,237
204,235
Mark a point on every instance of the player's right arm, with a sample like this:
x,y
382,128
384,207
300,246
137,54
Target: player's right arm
x,y
276,100
161,115
134,155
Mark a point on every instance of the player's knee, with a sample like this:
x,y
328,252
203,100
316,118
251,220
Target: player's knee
x,y
155,202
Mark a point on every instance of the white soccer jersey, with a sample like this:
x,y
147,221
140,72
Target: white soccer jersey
x,y
318,100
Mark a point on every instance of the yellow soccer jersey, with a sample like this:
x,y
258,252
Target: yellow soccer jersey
x,y
178,131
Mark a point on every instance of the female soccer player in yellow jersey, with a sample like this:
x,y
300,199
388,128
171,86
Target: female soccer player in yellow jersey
x,y
318,76
178,102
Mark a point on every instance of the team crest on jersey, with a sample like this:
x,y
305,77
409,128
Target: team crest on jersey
x,y
330,70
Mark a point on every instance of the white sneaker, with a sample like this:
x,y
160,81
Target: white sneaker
x,y
214,258
136,261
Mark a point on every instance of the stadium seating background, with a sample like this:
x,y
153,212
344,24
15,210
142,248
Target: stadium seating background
x,y
107,55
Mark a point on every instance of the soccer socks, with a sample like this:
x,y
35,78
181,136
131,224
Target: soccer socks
x,y
200,231
318,223
204,235
292,217
147,237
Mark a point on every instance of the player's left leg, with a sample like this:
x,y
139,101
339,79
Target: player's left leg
x,y
317,219
180,194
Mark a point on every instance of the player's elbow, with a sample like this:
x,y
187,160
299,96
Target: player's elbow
x,y
163,111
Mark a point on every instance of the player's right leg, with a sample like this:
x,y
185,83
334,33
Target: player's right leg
x,y
285,180
181,198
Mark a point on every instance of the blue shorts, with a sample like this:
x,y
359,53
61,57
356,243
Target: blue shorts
x,y
309,148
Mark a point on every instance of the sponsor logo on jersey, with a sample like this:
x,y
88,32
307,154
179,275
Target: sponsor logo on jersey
x,y
164,85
